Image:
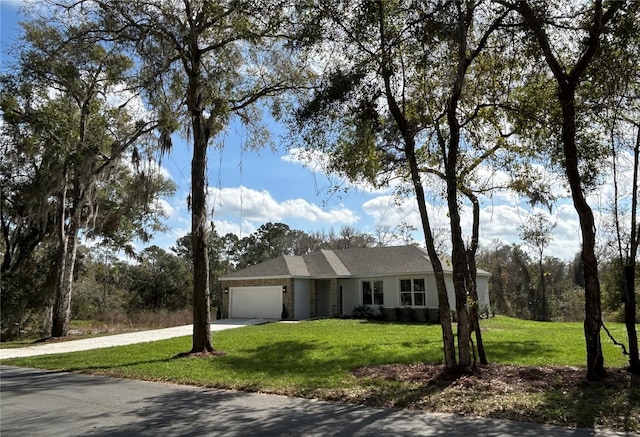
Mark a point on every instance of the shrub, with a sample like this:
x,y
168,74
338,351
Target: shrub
x,y
388,314
362,312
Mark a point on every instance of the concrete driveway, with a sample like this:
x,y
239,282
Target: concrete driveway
x,y
121,339
42,403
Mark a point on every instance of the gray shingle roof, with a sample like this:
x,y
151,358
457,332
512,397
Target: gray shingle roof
x,y
276,267
346,263
385,260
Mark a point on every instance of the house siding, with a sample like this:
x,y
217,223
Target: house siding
x,y
302,298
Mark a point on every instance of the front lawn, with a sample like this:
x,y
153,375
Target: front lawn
x,y
342,359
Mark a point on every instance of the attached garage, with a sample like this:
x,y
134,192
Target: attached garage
x,y
255,302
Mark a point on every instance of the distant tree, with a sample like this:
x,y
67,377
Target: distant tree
x,y
304,243
101,289
510,278
536,233
349,238
386,236
269,241
160,280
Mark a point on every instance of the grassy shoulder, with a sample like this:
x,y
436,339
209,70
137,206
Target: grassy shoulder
x,y
537,373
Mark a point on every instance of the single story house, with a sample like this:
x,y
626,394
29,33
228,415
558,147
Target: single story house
x,y
334,282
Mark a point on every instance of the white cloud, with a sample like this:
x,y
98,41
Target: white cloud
x,y
121,96
253,205
497,222
224,227
164,206
318,162
389,211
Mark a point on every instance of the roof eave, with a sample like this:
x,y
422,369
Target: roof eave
x,y
245,278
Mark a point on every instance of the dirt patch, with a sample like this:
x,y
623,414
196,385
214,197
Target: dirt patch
x,y
497,378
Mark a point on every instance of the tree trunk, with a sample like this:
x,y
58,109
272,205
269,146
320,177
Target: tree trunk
x,y
567,84
471,279
593,306
67,250
630,269
62,306
199,223
199,228
459,263
57,312
458,252
410,154
448,340
449,152
458,257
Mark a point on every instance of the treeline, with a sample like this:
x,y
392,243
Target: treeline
x,y
109,288
515,286
106,287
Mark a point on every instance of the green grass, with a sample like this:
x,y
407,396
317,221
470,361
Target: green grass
x,y
315,359
525,342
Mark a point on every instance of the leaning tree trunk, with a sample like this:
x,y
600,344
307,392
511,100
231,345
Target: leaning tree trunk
x,y
408,137
444,309
593,306
567,84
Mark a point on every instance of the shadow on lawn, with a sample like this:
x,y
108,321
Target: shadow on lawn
x,y
611,403
514,351
311,364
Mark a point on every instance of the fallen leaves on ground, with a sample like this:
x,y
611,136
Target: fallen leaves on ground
x,y
548,394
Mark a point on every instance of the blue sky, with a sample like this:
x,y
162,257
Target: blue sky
x,y
250,188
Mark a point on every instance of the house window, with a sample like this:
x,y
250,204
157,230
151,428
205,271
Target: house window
x,y
372,293
413,292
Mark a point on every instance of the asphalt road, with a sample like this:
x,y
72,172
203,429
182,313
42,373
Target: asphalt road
x,y
41,403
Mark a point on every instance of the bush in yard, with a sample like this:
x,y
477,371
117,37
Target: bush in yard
x,y
362,312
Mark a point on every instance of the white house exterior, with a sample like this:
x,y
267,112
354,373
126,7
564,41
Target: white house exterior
x,y
334,282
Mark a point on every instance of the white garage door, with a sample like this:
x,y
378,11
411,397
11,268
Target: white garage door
x,y
255,302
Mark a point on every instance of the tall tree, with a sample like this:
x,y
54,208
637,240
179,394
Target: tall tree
x,y
472,25
202,63
401,108
619,72
569,58
362,100
66,125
